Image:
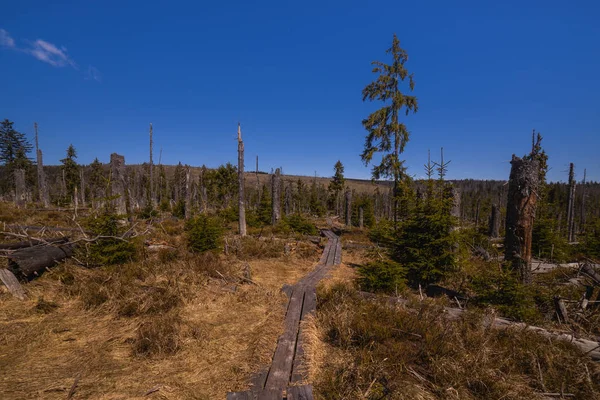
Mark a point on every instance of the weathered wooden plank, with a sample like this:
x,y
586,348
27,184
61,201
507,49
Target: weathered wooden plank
x,y
300,392
270,394
12,284
281,367
331,255
259,380
338,252
240,396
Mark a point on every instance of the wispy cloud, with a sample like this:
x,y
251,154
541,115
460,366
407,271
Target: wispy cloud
x,y
93,74
47,52
50,53
6,40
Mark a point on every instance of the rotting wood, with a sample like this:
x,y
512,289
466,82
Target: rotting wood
x,y
31,243
561,310
520,214
591,272
30,262
12,284
494,223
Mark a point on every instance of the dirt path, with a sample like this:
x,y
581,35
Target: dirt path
x,y
286,368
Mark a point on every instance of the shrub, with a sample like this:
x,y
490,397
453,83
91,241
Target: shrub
x,y
252,248
299,224
109,250
204,233
383,276
179,209
148,211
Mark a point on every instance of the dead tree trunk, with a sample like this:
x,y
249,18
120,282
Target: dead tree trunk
x,y
241,196
360,218
82,186
571,205
42,187
455,203
348,207
494,225
20,188
117,170
582,217
477,212
188,193
520,215
30,262
287,205
152,198
276,197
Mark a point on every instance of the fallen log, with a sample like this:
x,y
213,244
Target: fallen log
x,y
590,348
12,284
591,272
31,243
31,262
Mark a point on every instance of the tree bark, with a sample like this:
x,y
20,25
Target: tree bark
x,y
276,197
571,205
117,168
494,226
30,262
348,207
20,188
520,215
241,196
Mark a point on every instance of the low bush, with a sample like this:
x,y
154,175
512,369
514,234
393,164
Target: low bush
x,y
204,233
109,249
250,248
382,276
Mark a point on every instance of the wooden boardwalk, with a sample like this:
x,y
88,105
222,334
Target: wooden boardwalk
x,y
283,378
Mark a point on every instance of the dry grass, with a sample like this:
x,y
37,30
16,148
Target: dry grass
x,y
179,321
370,350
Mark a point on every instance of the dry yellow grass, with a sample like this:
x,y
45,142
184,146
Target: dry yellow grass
x,y
225,331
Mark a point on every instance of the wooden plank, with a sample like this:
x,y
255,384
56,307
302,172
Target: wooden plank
x,y
270,394
281,367
240,396
300,392
338,252
258,381
12,284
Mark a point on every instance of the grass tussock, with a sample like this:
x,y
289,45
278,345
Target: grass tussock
x,y
158,336
372,350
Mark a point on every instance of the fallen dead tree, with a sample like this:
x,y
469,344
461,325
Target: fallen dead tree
x,y
31,243
30,262
591,272
588,347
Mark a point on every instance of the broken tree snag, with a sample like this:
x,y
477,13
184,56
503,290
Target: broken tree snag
x,y
117,170
30,262
561,310
348,219
20,189
188,193
361,217
571,205
494,227
287,204
455,203
152,198
591,272
41,178
275,197
520,215
582,211
12,284
241,198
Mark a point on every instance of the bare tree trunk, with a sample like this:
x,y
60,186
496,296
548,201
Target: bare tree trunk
x,y
241,197
477,212
348,207
117,170
152,198
20,188
494,227
188,193
82,185
275,197
42,187
520,215
287,205
455,203
360,217
582,218
571,205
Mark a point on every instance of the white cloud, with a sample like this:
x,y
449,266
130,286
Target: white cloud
x,y
5,39
49,53
94,74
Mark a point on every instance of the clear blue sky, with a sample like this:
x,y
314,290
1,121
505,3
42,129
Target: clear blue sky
x,y
95,73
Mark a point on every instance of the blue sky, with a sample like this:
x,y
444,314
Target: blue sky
x,y
96,73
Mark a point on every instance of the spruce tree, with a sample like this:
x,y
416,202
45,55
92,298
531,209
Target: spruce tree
x,y
14,146
70,170
337,185
386,134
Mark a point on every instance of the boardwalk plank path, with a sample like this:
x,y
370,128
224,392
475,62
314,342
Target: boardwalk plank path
x,y
287,367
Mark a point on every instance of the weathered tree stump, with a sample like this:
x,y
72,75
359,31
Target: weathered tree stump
x,y
20,188
520,215
494,223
